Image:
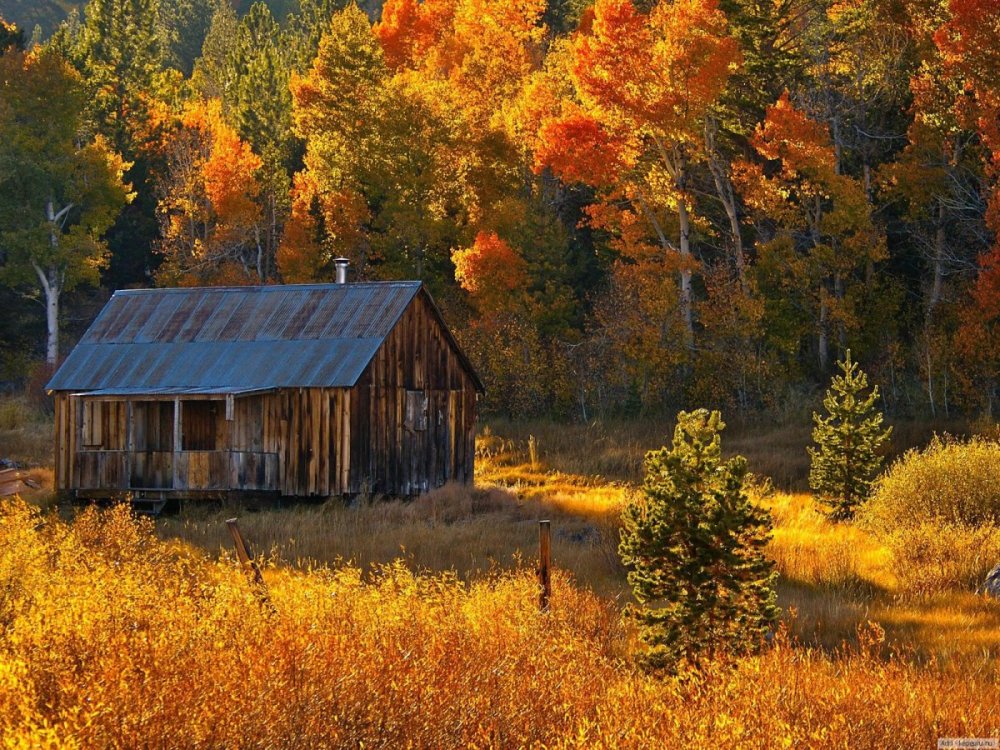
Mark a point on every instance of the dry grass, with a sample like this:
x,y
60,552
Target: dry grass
x,y
114,639
468,532
834,578
25,433
825,687
614,450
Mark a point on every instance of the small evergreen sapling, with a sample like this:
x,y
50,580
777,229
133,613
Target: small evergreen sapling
x,y
693,546
848,439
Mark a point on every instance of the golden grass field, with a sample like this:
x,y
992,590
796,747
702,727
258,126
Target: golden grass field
x,y
416,625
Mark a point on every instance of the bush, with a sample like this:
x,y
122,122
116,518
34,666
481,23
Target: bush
x,y
938,511
933,557
948,481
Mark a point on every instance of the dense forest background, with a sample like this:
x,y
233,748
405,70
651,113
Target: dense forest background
x,y
621,207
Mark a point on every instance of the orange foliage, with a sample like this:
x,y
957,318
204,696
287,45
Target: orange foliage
x,y
634,124
230,169
490,270
322,225
664,69
209,212
409,28
801,143
970,46
578,149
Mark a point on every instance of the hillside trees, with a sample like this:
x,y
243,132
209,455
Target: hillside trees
x,y
120,50
817,237
642,86
121,54
969,43
410,162
258,104
935,183
698,200
60,190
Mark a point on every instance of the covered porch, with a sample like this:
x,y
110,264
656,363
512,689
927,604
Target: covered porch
x,y
195,440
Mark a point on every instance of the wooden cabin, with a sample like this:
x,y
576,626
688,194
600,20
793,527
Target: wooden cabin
x,y
307,390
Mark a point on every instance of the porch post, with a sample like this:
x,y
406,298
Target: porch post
x,y
129,442
177,441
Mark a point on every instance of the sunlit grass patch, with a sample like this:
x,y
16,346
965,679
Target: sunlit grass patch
x,y
811,549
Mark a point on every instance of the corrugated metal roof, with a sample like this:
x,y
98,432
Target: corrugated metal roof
x,y
235,338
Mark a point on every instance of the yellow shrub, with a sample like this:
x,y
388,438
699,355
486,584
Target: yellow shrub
x,y
938,511
112,639
935,556
948,481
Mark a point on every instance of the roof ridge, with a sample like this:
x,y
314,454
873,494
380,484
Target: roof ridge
x,y
266,287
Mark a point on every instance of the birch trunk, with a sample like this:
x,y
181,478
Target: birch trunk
x,y
49,280
685,248
727,196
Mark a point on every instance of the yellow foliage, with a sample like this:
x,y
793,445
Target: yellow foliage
x,y
938,511
111,638
948,481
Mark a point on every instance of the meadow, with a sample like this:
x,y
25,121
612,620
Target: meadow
x,y
416,624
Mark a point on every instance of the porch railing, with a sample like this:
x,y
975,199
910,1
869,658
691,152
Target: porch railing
x,y
176,470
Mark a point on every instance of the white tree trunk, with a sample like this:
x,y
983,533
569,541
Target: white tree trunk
x,y
685,248
51,280
52,325
727,196
52,288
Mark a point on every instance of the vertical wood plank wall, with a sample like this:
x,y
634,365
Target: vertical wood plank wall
x,y
395,458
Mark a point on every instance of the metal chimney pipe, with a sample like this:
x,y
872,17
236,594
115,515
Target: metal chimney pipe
x,y
341,264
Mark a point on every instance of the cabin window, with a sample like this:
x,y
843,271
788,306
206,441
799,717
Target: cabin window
x,y
93,425
200,422
416,411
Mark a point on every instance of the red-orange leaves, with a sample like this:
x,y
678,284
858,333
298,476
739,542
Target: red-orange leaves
x,y
230,169
800,143
612,62
578,149
664,69
209,215
409,28
323,224
490,270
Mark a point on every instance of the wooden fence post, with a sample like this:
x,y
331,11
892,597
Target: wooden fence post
x,y
249,564
544,564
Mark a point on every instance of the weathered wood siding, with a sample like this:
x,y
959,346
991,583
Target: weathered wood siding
x,y
118,445
406,427
416,442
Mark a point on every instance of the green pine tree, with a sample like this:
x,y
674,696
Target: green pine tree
x,y
693,545
121,58
848,441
